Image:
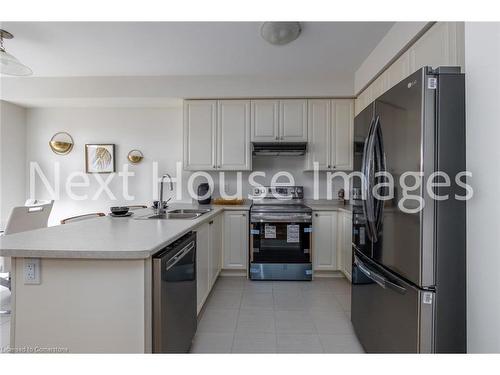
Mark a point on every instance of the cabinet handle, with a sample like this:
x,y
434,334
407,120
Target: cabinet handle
x,y
213,166
316,215
211,222
329,167
277,137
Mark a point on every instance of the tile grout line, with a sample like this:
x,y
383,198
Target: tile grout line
x,y
275,322
237,319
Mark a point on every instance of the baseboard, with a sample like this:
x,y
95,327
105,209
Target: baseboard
x,y
234,273
331,274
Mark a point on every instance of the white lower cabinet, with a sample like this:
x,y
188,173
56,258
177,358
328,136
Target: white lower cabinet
x,y
215,261
324,241
331,241
208,258
202,264
235,247
345,242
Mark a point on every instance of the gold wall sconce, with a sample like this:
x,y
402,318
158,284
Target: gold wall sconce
x,y
135,156
61,143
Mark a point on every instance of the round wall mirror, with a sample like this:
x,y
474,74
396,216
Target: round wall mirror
x,y
135,156
61,143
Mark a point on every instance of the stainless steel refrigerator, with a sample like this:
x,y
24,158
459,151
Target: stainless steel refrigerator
x,y
408,292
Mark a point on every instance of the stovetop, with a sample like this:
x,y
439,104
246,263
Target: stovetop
x,y
280,208
279,199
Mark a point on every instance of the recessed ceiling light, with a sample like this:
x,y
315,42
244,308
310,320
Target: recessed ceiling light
x,y
279,33
8,63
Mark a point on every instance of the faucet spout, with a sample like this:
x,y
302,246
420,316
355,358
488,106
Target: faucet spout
x,y
161,207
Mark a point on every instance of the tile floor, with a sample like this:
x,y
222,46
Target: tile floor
x,y
243,316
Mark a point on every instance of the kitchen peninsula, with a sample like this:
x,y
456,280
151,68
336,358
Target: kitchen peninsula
x,y
95,290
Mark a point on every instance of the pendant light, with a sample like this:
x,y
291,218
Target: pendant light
x,y
9,64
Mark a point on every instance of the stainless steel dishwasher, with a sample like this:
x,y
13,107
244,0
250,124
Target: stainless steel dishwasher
x,y
174,296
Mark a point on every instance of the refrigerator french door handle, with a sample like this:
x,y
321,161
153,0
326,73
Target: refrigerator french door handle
x,y
370,199
379,279
381,167
365,184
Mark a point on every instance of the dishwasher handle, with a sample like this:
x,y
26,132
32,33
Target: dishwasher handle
x,y
180,254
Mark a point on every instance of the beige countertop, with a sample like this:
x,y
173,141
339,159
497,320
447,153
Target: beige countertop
x,y
106,237
328,205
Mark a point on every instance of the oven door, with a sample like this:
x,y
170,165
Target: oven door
x,y
280,238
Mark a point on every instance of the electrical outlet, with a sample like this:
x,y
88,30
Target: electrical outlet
x,y
32,271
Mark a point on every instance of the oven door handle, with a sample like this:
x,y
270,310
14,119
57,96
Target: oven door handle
x,y
294,218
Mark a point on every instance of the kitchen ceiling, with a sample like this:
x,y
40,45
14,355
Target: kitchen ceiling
x,y
72,49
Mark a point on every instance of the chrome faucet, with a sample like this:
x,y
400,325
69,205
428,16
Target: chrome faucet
x,y
161,203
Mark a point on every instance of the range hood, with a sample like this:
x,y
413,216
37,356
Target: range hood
x,y
279,148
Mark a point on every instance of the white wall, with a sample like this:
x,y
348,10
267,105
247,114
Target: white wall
x,y
482,62
36,90
155,131
393,42
12,158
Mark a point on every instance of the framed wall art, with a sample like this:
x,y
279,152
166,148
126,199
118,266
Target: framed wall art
x,y
99,158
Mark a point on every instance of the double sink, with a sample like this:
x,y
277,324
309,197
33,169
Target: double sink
x,y
185,213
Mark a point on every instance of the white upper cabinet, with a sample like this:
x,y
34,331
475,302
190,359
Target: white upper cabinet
x,y
342,134
437,47
379,86
200,122
217,135
441,45
399,70
293,120
319,130
233,135
363,99
330,134
265,120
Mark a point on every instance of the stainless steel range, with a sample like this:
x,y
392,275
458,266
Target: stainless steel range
x,y
280,234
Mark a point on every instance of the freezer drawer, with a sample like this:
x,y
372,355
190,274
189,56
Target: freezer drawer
x,y
388,314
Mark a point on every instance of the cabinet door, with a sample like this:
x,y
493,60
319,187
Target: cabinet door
x,y
364,98
265,120
235,247
200,122
318,133
437,47
202,264
346,229
342,134
215,248
324,240
379,86
293,120
233,134
399,70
